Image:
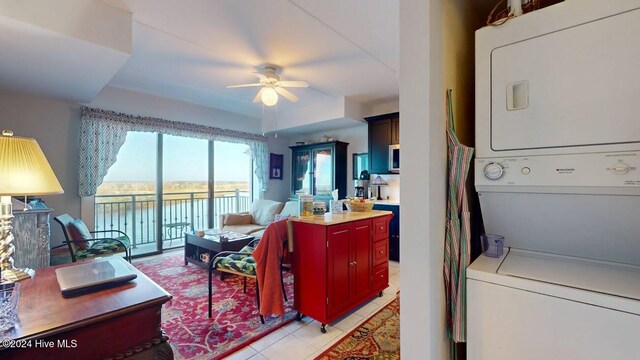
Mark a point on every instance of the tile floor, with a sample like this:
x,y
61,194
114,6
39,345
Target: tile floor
x,y
303,339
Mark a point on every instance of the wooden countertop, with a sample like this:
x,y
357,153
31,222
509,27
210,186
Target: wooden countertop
x,y
347,216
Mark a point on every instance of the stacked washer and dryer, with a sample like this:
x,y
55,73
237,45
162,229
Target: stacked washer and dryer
x,y
558,175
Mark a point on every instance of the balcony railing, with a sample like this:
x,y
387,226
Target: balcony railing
x,y
135,214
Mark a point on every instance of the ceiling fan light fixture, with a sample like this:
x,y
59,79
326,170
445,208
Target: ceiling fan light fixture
x,y
269,97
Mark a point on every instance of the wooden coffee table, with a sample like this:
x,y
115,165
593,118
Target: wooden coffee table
x,y
194,245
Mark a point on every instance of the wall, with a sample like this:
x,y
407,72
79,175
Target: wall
x,y
422,186
436,52
280,190
54,125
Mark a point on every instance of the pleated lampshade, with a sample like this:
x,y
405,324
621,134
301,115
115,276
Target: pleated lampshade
x,y
24,170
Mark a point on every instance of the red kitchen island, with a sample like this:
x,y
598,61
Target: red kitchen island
x,y
339,262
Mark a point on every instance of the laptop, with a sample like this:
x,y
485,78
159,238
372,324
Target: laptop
x,y
94,276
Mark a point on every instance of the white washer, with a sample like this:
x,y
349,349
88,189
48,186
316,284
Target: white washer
x,y
533,305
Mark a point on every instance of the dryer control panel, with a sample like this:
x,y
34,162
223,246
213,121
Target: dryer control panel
x,y
610,170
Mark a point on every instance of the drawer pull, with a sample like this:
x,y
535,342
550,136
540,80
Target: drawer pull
x,y
381,276
381,252
381,227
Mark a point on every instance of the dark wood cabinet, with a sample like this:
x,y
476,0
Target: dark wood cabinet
x,y
395,130
318,169
394,230
384,130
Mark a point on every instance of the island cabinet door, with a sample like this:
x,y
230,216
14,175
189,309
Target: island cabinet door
x,y
339,260
361,259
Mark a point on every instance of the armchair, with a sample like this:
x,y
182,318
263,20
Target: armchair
x,y
244,264
82,245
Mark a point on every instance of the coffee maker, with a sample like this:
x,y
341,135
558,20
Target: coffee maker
x,y
362,185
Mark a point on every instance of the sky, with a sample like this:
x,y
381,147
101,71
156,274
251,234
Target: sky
x,y
185,159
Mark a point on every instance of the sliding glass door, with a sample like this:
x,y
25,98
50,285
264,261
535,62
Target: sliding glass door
x,y
185,188
232,177
162,186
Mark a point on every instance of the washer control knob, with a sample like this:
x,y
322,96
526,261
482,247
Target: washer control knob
x,y
493,171
620,168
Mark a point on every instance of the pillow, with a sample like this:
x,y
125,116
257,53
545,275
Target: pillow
x,y
291,208
79,231
264,211
237,219
280,217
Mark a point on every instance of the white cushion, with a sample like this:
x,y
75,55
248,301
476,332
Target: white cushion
x,y
264,211
290,209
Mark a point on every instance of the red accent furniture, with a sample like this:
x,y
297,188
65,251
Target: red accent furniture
x,y
339,261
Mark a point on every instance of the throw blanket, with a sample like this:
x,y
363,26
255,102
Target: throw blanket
x,y
267,255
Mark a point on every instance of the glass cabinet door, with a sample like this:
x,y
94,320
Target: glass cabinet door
x,y
323,171
302,172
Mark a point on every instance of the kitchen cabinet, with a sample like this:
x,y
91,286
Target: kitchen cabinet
x,y
318,169
384,130
339,261
395,130
394,229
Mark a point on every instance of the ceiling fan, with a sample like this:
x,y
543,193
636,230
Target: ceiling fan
x,y
271,86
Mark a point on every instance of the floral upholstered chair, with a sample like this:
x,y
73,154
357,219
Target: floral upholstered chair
x,y
82,245
237,263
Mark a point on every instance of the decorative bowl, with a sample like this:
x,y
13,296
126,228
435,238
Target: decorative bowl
x,y
358,204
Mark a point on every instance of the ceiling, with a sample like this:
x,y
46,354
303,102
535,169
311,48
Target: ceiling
x,y
348,51
192,50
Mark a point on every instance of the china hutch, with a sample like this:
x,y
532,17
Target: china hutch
x,y
318,169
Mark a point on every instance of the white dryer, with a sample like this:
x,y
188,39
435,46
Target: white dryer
x,y
558,174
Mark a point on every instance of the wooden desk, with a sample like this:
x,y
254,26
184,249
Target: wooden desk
x,y
101,325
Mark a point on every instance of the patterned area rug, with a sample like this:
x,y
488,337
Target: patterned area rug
x,y
235,322
377,338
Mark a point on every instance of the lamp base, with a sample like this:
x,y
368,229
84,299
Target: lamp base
x,y
15,275
8,273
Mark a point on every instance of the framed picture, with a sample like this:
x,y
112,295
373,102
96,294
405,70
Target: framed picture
x,y
275,166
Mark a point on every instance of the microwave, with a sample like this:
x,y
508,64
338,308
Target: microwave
x,y
394,158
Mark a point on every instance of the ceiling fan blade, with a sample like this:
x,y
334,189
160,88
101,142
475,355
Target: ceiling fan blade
x,y
243,85
286,93
258,97
261,76
294,83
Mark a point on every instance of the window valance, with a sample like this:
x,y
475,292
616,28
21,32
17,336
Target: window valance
x,y
102,133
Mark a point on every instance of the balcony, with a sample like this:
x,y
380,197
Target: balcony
x,y
136,215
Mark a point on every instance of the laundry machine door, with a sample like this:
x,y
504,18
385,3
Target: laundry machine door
x,y
505,323
576,87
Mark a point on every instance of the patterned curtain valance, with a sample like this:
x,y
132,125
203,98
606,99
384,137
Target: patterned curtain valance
x,y
102,133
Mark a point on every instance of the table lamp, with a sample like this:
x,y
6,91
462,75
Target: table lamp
x,y
24,170
379,182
